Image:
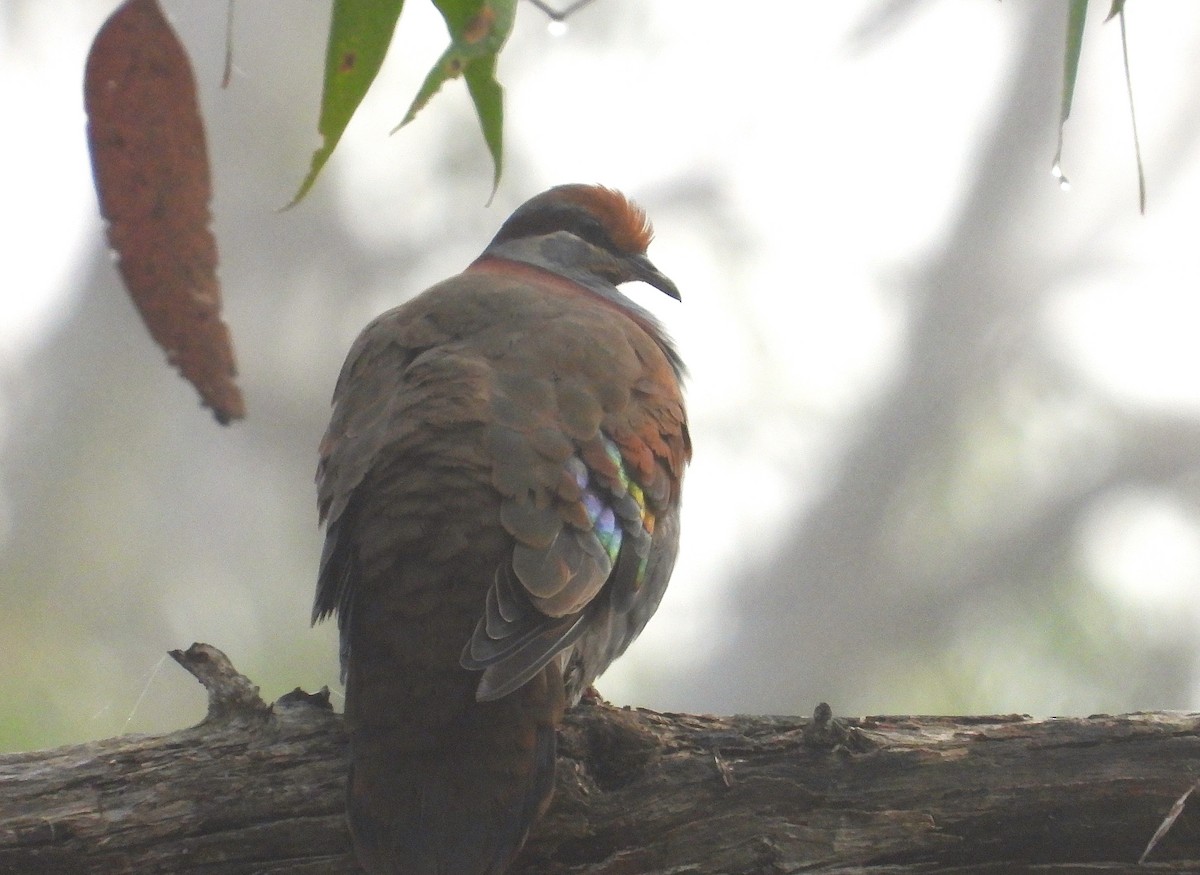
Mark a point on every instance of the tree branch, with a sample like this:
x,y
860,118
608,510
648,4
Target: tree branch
x,y
258,789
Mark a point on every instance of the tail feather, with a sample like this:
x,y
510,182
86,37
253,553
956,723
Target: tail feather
x,y
457,810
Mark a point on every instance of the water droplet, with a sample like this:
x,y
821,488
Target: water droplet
x,y
1057,173
556,27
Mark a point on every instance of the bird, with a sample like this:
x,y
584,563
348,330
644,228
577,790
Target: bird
x,y
500,489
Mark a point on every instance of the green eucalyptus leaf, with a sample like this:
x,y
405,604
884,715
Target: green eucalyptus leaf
x,y
478,30
359,35
1076,15
488,97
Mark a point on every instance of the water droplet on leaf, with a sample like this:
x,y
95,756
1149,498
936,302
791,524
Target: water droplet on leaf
x,y
1057,172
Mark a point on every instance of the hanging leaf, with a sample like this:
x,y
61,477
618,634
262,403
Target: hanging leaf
x,y
150,165
1076,16
1118,9
478,31
488,98
359,36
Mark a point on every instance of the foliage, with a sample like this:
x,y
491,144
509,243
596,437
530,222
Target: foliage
x,y
359,35
1076,17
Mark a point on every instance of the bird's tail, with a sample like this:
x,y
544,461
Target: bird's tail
x,y
461,804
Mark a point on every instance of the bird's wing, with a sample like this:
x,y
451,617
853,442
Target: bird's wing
x,y
588,447
382,400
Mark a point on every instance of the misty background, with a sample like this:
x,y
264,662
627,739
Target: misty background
x,y
946,415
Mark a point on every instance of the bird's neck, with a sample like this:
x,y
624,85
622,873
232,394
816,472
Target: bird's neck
x,y
526,262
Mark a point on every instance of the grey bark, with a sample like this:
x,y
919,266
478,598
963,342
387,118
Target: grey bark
x,y
258,789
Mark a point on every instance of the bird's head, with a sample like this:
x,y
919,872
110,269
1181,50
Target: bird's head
x,y
587,233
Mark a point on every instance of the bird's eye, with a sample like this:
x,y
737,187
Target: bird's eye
x,y
589,228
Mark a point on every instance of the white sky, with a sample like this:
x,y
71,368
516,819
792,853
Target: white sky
x,y
45,176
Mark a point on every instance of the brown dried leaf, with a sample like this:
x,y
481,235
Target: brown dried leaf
x,y
150,164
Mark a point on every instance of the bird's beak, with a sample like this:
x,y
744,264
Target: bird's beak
x,y
644,270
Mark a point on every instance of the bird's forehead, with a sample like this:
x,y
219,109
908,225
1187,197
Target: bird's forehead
x,y
625,222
